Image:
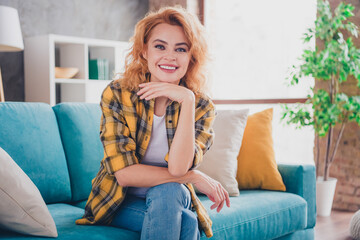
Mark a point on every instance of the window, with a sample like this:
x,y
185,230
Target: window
x,y
254,44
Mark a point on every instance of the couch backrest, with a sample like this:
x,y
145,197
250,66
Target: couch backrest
x,y
79,125
29,133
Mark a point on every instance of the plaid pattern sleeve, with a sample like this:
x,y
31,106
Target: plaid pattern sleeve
x,y
119,146
204,133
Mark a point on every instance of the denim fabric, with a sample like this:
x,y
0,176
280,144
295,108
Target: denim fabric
x,y
164,214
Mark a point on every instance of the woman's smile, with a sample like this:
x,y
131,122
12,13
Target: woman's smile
x,y
168,68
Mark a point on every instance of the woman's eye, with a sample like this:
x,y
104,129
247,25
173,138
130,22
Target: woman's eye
x,y
181,50
161,47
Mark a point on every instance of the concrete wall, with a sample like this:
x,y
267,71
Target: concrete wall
x,y
105,19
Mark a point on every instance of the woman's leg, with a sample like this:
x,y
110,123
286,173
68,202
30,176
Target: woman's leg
x,y
131,214
189,226
168,216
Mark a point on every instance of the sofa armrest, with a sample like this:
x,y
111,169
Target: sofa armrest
x,y
301,180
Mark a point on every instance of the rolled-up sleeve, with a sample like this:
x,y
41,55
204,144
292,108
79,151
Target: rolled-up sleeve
x,y
204,133
119,146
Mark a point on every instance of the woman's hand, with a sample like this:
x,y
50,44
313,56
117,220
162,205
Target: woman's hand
x,y
174,92
212,188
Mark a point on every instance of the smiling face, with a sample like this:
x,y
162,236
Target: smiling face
x,y
167,53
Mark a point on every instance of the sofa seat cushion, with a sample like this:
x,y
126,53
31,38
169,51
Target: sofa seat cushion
x,y
258,214
64,216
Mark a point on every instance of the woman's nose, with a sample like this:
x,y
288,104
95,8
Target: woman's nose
x,y
170,56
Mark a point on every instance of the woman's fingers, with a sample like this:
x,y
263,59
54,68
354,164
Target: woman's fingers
x,y
217,196
213,190
227,198
171,91
220,206
222,194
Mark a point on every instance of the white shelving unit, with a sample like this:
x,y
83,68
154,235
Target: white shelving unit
x,y
43,53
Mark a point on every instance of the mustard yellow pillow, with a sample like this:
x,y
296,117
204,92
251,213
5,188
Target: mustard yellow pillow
x,y
257,168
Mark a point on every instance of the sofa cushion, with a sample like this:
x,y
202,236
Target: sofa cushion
x,y
79,125
220,162
30,135
258,214
65,215
22,209
257,168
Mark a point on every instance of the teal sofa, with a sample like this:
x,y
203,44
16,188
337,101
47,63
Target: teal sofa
x,y
60,150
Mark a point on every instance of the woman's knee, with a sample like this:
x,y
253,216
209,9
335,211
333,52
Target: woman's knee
x,y
169,194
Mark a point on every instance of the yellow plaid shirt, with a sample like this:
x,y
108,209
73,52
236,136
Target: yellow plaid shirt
x,y
126,125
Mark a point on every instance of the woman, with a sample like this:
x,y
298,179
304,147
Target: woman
x,y
151,147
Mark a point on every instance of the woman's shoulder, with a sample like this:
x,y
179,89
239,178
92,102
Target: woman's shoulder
x,y
203,100
114,90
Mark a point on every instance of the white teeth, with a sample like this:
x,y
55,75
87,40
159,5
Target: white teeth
x,y
167,67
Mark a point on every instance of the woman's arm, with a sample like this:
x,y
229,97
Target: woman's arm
x,y
140,175
181,153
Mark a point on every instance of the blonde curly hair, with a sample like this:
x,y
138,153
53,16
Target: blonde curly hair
x,y
136,68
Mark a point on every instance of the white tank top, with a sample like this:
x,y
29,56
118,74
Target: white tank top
x,y
155,153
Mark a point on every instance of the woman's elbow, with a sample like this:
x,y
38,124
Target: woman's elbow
x,y
177,172
121,179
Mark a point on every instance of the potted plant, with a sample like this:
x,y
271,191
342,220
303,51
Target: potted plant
x,y
331,64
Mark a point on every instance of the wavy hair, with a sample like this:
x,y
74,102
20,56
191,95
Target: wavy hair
x,y
136,68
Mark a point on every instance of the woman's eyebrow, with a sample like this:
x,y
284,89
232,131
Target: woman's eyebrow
x,y
177,44
183,43
162,41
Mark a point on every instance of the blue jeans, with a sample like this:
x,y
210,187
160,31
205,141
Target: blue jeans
x,y
164,214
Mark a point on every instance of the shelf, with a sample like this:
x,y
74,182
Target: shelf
x,y
71,80
43,53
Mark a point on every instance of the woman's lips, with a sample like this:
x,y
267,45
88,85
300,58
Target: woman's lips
x,y
168,68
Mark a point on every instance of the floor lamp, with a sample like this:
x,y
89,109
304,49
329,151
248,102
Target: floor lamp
x,y
10,36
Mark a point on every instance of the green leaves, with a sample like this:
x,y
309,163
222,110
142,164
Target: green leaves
x,y
339,57
325,112
334,61
299,115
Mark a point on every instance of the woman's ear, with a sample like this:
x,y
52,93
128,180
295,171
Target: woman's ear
x,y
144,52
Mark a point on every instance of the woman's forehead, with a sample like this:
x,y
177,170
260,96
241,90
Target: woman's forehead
x,y
168,33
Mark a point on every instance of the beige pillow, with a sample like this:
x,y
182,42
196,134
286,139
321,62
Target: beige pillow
x,y
220,162
22,209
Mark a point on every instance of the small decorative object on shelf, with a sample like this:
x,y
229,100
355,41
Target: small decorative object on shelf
x,y
355,226
65,72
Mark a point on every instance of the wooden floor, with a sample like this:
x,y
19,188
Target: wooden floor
x,y
335,227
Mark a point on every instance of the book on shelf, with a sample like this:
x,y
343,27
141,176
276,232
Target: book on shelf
x,y
99,69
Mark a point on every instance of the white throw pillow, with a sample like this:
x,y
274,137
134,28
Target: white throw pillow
x,y
22,209
220,162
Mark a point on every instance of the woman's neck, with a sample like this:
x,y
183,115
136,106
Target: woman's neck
x,y
160,105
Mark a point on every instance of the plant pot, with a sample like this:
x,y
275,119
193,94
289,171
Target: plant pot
x,y
325,191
